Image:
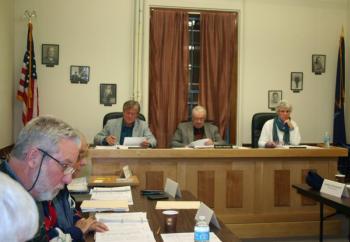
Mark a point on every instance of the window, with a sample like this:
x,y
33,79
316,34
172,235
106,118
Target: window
x,y
193,67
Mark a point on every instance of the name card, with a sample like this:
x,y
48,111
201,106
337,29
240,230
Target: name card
x,y
172,188
209,215
126,173
334,188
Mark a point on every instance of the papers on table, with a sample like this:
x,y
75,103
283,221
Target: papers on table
x,y
298,147
78,185
135,217
186,237
100,147
133,141
200,144
177,204
112,193
104,205
125,227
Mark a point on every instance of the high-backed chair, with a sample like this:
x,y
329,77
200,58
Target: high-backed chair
x,y
115,115
258,122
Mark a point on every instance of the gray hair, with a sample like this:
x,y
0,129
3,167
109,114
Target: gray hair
x,y
44,132
283,104
131,104
199,109
19,214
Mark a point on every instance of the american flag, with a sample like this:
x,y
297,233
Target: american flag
x,y
28,87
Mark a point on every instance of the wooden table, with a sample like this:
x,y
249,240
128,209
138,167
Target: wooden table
x,y
249,189
342,205
185,219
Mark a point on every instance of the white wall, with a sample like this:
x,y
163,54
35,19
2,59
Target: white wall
x,y
277,37
98,34
6,71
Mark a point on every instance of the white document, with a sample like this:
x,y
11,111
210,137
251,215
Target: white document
x,y
125,227
78,185
126,232
133,141
172,188
135,217
299,147
186,237
104,205
333,188
99,147
200,144
112,193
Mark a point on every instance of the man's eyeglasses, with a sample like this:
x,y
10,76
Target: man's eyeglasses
x,y
67,170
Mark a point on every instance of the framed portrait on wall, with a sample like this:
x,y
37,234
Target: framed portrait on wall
x,y
296,81
274,97
50,54
318,64
79,74
108,94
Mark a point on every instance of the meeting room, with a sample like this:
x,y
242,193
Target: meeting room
x,y
171,120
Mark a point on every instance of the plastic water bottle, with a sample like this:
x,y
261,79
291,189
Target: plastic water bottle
x,y
201,230
326,140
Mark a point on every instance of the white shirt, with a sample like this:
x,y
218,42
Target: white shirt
x,y
267,136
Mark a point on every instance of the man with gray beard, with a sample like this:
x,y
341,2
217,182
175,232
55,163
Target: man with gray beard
x,y
43,161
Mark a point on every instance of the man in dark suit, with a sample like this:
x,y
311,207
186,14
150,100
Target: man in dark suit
x,y
188,132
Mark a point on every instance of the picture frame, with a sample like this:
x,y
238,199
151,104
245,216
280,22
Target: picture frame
x,y
296,81
50,54
274,97
108,94
79,74
318,64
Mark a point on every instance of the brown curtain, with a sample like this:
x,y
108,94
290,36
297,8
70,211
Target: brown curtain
x,y
168,72
218,68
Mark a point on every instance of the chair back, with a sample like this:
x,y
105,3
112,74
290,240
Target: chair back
x,y
258,122
115,115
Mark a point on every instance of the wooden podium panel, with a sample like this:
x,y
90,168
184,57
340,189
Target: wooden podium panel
x,y
249,189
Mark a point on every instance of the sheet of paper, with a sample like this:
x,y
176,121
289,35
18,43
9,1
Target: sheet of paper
x,y
126,232
135,217
186,237
98,147
177,204
133,141
200,143
104,205
112,193
78,185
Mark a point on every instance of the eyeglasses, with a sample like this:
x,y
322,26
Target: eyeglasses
x,y
67,170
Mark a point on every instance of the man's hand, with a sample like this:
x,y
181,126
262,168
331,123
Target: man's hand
x,y
209,142
84,224
145,144
270,144
111,140
98,227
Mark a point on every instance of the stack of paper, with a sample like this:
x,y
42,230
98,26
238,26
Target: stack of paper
x,y
112,193
186,237
78,185
125,227
104,205
200,144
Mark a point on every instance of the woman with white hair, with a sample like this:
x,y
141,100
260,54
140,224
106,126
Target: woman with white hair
x,y
19,214
281,130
